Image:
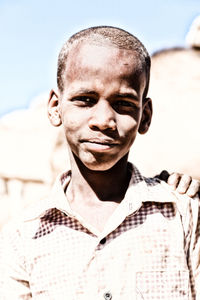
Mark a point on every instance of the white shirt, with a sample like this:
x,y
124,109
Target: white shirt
x,y
149,248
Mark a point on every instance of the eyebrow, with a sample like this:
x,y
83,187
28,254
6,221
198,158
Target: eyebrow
x,y
87,92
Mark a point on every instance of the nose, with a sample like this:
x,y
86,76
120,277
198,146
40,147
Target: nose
x,y
102,116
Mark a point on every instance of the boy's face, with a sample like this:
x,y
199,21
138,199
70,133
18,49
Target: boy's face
x,y
101,107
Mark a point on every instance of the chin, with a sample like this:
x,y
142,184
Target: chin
x,y
97,163
100,166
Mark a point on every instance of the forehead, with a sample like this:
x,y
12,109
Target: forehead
x,y
103,63
102,56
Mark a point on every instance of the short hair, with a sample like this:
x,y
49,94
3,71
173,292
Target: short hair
x,y
99,35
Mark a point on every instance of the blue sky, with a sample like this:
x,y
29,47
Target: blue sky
x,y
33,31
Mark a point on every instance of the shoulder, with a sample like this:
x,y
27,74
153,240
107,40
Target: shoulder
x,y
161,190
25,223
188,207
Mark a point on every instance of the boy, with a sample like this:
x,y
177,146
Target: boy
x,y
106,232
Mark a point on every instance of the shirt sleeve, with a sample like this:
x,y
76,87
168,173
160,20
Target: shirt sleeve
x,y
194,249
14,281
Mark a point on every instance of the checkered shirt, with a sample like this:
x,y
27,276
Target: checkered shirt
x,y
149,248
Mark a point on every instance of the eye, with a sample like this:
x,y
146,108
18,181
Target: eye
x,y
125,104
84,100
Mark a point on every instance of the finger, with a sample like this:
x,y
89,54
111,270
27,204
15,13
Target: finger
x,y
194,188
184,184
173,180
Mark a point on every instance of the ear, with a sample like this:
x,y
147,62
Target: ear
x,y
146,116
54,109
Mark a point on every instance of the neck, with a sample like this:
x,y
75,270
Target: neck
x,y
109,185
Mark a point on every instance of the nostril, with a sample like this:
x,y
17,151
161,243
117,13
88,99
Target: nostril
x,y
102,122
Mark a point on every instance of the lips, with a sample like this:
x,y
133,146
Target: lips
x,y
101,142
99,145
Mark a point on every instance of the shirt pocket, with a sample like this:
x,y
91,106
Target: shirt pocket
x,y
164,285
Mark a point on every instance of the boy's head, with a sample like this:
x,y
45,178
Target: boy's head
x,y
101,35
103,78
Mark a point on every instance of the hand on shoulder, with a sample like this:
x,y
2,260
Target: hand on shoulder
x,y
184,184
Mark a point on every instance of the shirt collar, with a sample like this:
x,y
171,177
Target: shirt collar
x,y
140,190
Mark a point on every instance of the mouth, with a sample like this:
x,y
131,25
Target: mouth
x,y
100,144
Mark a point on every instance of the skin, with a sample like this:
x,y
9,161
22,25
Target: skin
x,y
184,184
101,109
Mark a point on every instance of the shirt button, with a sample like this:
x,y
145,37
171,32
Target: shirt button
x,y
103,241
107,296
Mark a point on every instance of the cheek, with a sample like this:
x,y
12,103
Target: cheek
x,y
73,119
128,126
129,131
71,125
70,128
